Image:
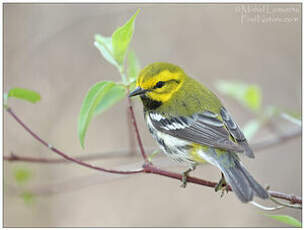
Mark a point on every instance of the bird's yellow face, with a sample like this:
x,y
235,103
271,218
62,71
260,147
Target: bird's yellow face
x,y
159,81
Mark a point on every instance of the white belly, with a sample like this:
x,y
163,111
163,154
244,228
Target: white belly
x,y
171,146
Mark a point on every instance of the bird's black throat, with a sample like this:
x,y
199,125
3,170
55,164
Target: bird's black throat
x,y
150,104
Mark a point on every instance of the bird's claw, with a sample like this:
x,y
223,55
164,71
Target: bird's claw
x,y
224,188
222,185
185,176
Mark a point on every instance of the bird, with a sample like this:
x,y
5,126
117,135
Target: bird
x,y
192,127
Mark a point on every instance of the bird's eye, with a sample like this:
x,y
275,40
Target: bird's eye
x,y
159,84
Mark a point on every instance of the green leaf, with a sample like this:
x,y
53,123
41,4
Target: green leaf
x,y
104,45
248,95
121,39
251,128
22,175
286,220
114,95
253,97
133,66
98,99
27,197
24,94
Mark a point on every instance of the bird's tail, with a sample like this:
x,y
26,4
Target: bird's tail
x,y
242,183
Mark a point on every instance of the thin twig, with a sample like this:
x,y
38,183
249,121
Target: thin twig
x,y
296,206
141,146
90,156
76,183
290,197
261,145
132,143
264,207
9,110
276,140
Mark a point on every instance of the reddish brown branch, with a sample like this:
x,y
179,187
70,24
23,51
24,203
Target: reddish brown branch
x,y
290,197
141,146
126,153
9,110
152,169
147,168
132,143
92,156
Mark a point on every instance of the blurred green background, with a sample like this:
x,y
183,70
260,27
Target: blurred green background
x,y
49,48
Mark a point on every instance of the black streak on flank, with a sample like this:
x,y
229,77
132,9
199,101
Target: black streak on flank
x,y
150,129
162,143
184,147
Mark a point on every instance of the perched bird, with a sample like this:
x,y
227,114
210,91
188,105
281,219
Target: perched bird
x,y
192,126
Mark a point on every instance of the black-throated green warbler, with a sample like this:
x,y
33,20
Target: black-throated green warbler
x,y
192,126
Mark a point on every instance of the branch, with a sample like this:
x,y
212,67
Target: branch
x,y
79,182
277,140
290,197
132,143
141,147
147,167
264,207
261,145
75,183
9,110
90,156
282,204
152,169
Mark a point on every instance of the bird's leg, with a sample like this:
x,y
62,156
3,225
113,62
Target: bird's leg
x,y
185,175
222,185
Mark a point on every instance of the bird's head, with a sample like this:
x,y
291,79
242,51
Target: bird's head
x,y
159,81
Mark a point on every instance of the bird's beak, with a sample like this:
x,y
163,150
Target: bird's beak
x,y
137,91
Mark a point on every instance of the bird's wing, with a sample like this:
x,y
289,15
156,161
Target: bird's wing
x,y
236,132
203,128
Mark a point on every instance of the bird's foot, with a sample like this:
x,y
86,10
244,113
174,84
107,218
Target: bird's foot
x,y
222,185
185,176
224,189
